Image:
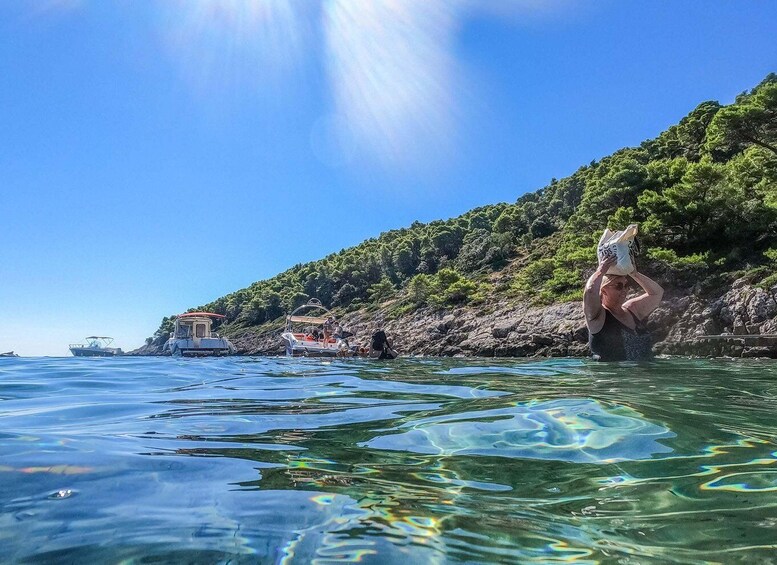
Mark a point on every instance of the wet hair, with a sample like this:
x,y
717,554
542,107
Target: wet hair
x,y
379,340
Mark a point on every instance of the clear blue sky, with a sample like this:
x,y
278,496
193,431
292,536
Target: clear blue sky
x,y
157,155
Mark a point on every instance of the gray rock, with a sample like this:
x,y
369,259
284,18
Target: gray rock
x,y
770,352
541,339
446,324
761,306
502,331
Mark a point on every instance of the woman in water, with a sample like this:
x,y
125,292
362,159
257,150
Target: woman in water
x,y
616,326
381,346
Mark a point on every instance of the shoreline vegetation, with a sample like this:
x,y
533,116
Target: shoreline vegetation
x,y
507,279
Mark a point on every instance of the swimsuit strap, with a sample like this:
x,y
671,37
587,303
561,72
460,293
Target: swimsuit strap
x,y
638,324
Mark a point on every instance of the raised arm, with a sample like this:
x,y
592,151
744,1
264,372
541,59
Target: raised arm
x,y
592,300
644,304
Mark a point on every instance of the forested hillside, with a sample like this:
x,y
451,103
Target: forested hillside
x,y
704,194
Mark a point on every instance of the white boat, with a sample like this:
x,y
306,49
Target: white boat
x,y
193,337
310,331
96,346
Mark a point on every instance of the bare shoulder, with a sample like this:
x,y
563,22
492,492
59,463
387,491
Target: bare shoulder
x,y
595,322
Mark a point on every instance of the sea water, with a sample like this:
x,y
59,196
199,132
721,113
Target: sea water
x,y
275,460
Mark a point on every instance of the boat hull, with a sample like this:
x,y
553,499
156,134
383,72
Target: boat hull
x,y
202,347
92,352
200,352
299,347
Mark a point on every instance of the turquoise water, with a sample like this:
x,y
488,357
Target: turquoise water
x,y
249,460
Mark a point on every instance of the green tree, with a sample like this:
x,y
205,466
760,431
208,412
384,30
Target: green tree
x,y
381,290
688,214
753,121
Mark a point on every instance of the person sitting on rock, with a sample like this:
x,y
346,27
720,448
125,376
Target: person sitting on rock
x,y
616,326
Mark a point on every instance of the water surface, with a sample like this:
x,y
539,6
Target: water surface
x,y
261,460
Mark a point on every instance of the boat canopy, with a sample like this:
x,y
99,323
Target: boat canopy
x,y
307,320
200,314
297,316
97,337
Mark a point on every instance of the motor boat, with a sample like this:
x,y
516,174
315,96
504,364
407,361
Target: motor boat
x,y
311,331
96,346
8,354
193,337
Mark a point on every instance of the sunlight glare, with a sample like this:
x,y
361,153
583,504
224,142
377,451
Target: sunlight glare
x,y
228,41
391,70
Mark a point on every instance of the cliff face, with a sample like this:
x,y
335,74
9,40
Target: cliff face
x,y
504,329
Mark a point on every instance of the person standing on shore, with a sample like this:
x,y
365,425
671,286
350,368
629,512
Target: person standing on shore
x,y
616,326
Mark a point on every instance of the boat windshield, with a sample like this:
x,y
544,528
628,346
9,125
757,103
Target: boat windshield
x,y
184,330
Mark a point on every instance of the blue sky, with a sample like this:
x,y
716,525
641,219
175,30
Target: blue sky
x,y
157,155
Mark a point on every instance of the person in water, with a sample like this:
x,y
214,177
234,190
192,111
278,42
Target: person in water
x,y
381,346
616,326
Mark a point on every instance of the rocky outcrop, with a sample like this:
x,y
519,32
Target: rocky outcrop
x,y
153,347
743,322
744,315
502,329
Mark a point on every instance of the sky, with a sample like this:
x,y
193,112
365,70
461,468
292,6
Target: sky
x,y
157,155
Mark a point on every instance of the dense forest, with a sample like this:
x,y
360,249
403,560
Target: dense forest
x,y
704,194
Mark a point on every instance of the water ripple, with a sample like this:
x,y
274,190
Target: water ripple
x,y
418,460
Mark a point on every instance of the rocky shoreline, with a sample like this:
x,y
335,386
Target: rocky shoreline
x,y
744,319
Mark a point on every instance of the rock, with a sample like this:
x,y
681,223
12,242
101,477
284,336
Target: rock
x,y
578,350
761,306
502,331
446,324
521,350
581,334
541,339
751,352
734,350
558,351
769,327
451,351
709,327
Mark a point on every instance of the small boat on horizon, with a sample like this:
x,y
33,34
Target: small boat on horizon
x,y
8,354
193,337
96,346
311,331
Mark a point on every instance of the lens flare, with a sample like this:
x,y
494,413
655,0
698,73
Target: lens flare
x,y
392,74
394,86
235,43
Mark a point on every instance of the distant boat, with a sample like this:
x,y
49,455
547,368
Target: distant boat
x,y
96,346
8,354
192,337
310,331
